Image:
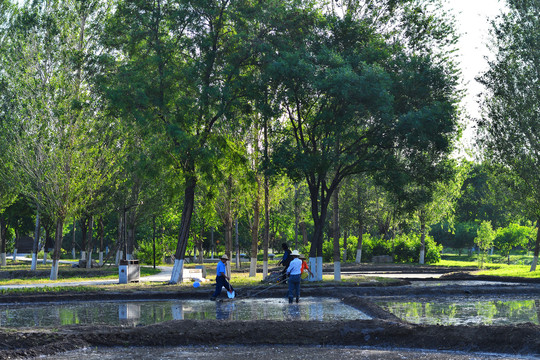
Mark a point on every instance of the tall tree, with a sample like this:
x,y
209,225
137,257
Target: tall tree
x,y
355,103
511,116
60,152
179,75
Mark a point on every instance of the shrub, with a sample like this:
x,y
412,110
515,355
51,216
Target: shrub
x,y
145,252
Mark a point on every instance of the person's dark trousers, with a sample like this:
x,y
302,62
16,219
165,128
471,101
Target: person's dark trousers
x,y
220,282
294,287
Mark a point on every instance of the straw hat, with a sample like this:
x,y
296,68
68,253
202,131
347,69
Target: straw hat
x,y
302,256
224,256
295,253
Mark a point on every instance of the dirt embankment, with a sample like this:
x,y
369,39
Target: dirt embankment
x,y
503,339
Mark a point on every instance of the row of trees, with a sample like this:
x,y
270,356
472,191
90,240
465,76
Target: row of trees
x,y
200,113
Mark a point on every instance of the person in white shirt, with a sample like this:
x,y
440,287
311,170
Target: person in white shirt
x,y
294,271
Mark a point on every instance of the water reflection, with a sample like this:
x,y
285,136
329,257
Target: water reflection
x,y
467,312
224,311
151,312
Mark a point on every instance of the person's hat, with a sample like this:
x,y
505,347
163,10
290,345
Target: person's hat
x,y
295,253
224,256
302,256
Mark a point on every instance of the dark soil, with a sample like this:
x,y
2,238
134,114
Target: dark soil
x,y
385,330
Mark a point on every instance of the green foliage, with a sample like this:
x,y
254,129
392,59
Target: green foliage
x,y
145,252
484,240
512,236
405,248
509,126
328,248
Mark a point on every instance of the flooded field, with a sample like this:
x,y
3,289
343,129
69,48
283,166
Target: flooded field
x,y
459,311
152,312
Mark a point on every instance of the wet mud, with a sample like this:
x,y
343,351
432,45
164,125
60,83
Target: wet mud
x,y
384,330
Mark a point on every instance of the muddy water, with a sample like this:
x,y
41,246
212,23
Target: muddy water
x,y
460,311
151,312
269,353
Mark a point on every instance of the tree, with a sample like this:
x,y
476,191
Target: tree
x,y
179,74
512,236
357,104
60,151
510,118
485,195
8,186
484,240
441,204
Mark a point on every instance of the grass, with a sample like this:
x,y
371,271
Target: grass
x,y
20,274
50,289
495,265
512,271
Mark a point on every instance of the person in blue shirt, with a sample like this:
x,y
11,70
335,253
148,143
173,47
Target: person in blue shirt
x,y
294,271
221,277
286,260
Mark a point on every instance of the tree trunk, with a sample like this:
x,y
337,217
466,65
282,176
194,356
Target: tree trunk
x,y
49,241
212,243
90,242
130,223
237,244
84,236
336,254
200,243
422,240
228,225
536,247
36,242
315,252
266,235
17,235
255,231
304,233
319,208
296,216
101,240
3,232
185,223
73,240
119,241
345,237
360,240
57,249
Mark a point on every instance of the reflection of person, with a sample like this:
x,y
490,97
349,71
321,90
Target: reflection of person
x,y
294,271
293,312
224,311
221,277
305,268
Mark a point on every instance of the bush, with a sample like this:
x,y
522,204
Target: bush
x,y
145,252
328,249
405,248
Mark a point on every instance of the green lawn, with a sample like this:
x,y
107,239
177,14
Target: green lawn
x,y
20,273
495,265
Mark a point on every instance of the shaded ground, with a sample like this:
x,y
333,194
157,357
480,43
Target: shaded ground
x,y
385,330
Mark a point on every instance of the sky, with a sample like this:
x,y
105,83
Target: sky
x,y
472,21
